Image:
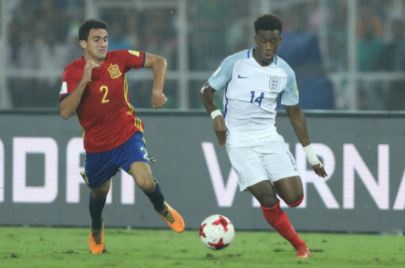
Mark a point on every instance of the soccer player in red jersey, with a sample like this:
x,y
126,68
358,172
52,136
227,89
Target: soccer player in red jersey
x,y
95,87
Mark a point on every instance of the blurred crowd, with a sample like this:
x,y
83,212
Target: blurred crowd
x,y
42,36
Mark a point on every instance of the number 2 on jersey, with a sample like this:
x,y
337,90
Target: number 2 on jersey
x,y
257,99
105,99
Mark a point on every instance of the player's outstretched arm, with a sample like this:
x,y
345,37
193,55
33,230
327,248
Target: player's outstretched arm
x,y
159,66
207,97
69,104
299,124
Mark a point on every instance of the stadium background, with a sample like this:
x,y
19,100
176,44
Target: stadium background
x,y
349,58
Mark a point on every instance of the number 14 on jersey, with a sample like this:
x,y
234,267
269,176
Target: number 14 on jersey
x,y
256,99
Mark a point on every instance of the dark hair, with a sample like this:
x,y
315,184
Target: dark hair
x,y
88,25
268,22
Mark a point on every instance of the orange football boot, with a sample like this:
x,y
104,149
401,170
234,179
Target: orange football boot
x,y
96,241
173,218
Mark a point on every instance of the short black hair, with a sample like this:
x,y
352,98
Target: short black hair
x,y
88,25
268,22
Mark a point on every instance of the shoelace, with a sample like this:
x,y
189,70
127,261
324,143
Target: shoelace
x,y
168,216
97,236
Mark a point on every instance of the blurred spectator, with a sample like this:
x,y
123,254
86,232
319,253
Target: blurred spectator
x,y
300,48
369,48
393,59
51,53
207,28
140,93
393,55
72,42
337,37
318,15
159,35
38,35
369,39
118,39
133,30
236,39
121,23
42,37
38,41
27,56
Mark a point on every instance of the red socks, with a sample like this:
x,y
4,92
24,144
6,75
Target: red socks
x,y
280,222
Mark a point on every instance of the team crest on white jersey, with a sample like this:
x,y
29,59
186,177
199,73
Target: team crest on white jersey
x,y
274,83
114,71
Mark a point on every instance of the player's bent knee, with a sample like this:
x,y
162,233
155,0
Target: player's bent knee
x,y
100,193
142,175
296,203
146,183
267,200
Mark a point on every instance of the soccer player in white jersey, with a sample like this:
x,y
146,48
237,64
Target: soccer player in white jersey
x,y
252,80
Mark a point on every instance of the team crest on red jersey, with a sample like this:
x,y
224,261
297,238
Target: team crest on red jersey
x,y
114,71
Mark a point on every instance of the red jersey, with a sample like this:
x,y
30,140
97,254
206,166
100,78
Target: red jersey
x,y
105,114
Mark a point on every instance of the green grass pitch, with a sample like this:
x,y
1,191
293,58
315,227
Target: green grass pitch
x,y
67,247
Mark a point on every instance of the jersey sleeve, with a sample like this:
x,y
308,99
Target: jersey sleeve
x,y
132,58
70,80
222,75
290,95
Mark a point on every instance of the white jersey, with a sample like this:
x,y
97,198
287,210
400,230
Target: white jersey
x,y
250,97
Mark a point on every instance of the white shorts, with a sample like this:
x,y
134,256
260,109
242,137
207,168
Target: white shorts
x,y
255,164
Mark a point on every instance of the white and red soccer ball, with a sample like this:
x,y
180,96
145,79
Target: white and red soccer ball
x,y
217,231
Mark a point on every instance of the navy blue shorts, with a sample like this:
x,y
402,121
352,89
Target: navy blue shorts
x,y
100,167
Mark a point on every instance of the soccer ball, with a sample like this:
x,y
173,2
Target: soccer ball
x,y
217,231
